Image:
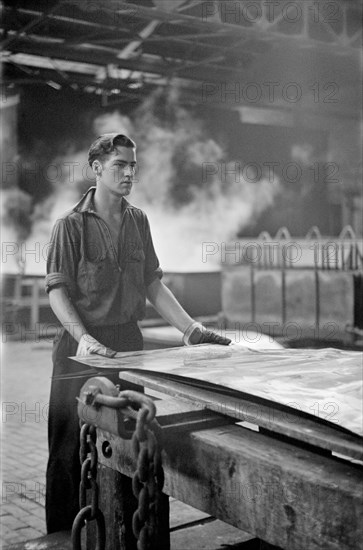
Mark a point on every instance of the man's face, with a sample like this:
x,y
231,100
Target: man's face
x,y
118,171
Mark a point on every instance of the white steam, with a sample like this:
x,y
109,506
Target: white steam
x,y
222,201
211,205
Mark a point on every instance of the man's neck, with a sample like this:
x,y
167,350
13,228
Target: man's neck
x,y
107,204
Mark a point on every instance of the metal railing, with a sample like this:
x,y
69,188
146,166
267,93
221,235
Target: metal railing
x,y
342,253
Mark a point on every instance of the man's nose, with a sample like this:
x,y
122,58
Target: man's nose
x,y
129,171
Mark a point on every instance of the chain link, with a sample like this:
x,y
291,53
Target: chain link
x,y
148,479
91,512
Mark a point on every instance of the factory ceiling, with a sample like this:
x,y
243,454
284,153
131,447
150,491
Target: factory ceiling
x,y
121,49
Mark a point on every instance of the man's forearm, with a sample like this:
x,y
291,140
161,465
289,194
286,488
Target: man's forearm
x,y
168,306
66,312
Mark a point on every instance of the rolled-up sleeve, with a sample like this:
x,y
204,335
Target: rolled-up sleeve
x,y
152,267
62,258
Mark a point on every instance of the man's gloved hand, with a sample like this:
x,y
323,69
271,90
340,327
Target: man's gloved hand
x,y
88,344
197,334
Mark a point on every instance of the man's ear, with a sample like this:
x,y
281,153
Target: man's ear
x,y
96,167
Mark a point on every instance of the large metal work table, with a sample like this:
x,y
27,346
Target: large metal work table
x,y
269,442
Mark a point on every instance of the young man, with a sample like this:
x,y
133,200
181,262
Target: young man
x,y
101,267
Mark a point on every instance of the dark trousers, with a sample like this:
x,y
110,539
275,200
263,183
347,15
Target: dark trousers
x,y
63,470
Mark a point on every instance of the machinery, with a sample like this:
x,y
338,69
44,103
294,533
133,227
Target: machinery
x,y
237,448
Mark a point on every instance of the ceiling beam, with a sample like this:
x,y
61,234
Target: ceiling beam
x,y
107,34
57,50
145,33
191,96
269,32
32,25
252,31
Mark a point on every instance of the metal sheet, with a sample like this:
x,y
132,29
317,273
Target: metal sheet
x,y
326,383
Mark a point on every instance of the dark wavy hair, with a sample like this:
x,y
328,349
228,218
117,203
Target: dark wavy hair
x,y
106,144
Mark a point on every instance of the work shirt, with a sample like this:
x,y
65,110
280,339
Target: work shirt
x,y
106,281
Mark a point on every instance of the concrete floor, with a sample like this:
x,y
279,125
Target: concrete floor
x,y
25,392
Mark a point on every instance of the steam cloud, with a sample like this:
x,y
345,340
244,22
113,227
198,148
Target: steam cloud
x,y
186,205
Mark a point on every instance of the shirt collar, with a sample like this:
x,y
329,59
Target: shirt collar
x,y
86,204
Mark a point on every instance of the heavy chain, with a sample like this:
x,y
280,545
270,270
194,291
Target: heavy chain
x,y
148,480
89,458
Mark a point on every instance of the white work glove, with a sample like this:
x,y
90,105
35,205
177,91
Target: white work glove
x,y
198,334
88,344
